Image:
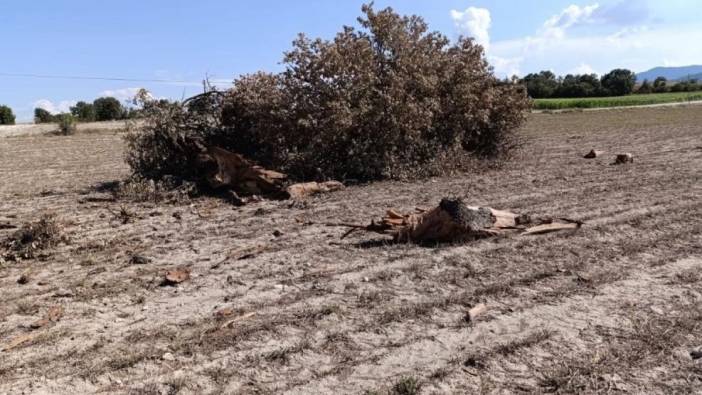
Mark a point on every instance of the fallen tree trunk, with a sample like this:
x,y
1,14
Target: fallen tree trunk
x,y
223,169
453,221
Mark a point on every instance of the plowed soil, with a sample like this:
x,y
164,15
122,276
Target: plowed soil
x,y
613,307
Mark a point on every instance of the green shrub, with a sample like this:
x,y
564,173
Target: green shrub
x,y
66,123
7,117
390,100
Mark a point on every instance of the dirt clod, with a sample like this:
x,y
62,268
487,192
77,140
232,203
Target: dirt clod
x,y
137,259
176,276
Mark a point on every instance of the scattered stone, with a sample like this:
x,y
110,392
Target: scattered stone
x,y
696,354
624,159
593,154
476,312
63,293
23,279
277,233
168,357
176,276
137,259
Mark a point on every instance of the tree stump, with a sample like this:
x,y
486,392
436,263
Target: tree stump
x,y
453,221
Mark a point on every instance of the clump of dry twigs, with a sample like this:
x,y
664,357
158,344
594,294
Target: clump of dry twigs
x,y
32,238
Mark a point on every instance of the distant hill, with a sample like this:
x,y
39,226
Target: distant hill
x,y
697,77
671,73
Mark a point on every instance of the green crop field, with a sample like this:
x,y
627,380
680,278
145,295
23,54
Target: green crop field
x,y
618,101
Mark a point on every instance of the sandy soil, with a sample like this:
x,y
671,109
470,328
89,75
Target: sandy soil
x,y
614,307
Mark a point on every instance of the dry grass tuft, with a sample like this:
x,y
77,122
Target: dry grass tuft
x,y
32,238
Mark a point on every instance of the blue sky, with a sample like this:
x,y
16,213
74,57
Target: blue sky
x,y
184,41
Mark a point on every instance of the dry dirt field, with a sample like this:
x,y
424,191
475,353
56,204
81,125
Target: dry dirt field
x,y
613,307
44,128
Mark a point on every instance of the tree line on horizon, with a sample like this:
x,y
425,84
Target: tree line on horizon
x,y
101,109
618,82
542,85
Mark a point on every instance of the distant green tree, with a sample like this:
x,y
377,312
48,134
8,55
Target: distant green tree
x,y
586,85
42,116
619,82
660,85
7,117
645,88
108,109
686,86
541,85
84,112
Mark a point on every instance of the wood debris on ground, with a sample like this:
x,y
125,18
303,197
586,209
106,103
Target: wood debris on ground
x,y
53,315
241,254
246,181
18,341
453,221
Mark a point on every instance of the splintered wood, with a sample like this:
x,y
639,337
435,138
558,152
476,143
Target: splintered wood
x,y
233,170
225,169
453,221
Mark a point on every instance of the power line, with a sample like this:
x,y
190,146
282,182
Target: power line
x,y
74,77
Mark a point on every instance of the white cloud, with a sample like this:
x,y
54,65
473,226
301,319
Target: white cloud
x,y
583,68
505,67
573,15
638,50
617,37
55,108
121,94
474,22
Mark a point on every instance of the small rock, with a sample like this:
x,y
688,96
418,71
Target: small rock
x,y
623,159
696,354
63,293
176,276
277,233
137,259
23,279
225,312
476,312
593,154
168,357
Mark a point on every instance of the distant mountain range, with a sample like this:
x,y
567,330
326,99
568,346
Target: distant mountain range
x,y
671,73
